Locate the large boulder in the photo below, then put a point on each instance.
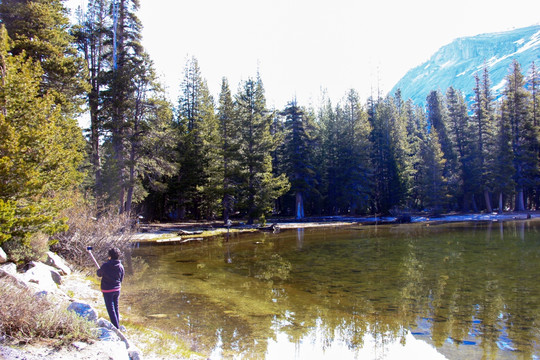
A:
(9, 271)
(83, 310)
(3, 256)
(9, 268)
(58, 263)
(42, 277)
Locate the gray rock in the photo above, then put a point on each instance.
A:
(58, 263)
(3, 256)
(83, 310)
(107, 335)
(104, 323)
(79, 345)
(9, 271)
(46, 277)
(134, 353)
(9, 268)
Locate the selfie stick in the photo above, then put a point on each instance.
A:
(89, 249)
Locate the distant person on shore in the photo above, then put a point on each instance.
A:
(112, 274)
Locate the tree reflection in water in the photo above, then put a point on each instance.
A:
(470, 290)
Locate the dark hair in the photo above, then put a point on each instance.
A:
(114, 253)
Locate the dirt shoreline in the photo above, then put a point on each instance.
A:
(198, 230)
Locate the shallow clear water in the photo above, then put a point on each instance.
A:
(460, 291)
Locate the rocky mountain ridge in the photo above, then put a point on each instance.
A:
(456, 64)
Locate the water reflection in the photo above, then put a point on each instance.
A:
(469, 290)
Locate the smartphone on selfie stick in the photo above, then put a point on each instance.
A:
(89, 249)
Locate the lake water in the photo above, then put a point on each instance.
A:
(415, 291)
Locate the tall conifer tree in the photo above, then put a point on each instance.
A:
(228, 128)
(197, 187)
(91, 36)
(438, 119)
(355, 154)
(126, 57)
(483, 132)
(433, 188)
(502, 179)
(40, 151)
(40, 29)
(298, 147)
(259, 187)
(516, 111)
(459, 133)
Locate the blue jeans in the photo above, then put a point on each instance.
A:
(111, 302)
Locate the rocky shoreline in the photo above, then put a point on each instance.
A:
(55, 279)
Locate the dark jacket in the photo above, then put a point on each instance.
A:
(112, 274)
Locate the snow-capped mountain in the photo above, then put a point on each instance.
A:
(456, 63)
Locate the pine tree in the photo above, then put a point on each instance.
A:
(40, 29)
(329, 156)
(229, 148)
(516, 112)
(259, 187)
(483, 130)
(91, 36)
(40, 151)
(212, 188)
(125, 59)
(388, 182)
(355, 154)
(416, 133)
(298, 155)
(533, 86)
(199, 177)
(502, 180)
(459, 133)
(438, 119)
(150, 140)
(432, 181)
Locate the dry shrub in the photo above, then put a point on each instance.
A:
(25, 317)
(103, 231)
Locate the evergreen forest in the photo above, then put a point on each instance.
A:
(231, 156)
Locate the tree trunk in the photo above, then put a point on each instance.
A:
(487, 199)
(226, 207)
(131, 182)
(475, 207)
(299, 205)
(520, 204)
(501, 204)
(95, 145)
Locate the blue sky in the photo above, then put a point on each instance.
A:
(304, 46)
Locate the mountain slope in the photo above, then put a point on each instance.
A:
(456, 63)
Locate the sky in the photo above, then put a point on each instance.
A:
(302, 48)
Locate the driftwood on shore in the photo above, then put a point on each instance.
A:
(272, 228)
(186, 232)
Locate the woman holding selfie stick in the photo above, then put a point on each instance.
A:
(112, 274)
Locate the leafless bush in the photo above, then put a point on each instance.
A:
(102, 232)
(26, 317)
